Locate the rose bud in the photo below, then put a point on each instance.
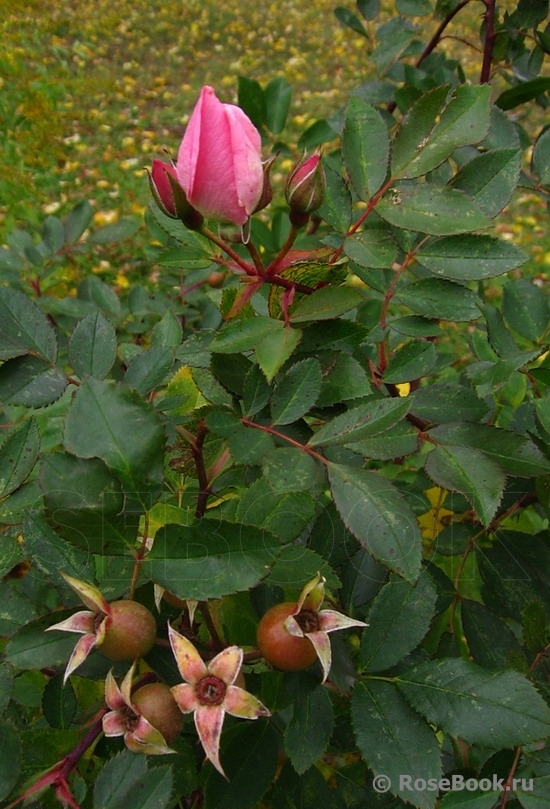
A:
(219, 163)
(305, 188)
(170, 196)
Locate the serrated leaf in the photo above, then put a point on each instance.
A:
(441, 299)
(76, 222)
(11, 758)
(378, 516)
(277, 95)
(274, 350)
(525, 308)
(18, 455)
(325, 304)
(285, 515)
(126, 780)
(210, 559)
(92, 347)
(31, 382)
(490, 179)
(256, 391)
(243, 335)
(308, 733)
(523, 92)
(16, 609)
(289, 469)
(115, 231)
(150, 369)
(167, 333)
(23, 327)
(491, 642)
(540, 161)
(412, 361)
(436, 210)
(373, 248)
(344, 378)
(472, 473)
(59, 704)
(97, 426)
(394, 739)
(336, 206)
(437, 125)
(96, 291)
(249, 757)
(492, 709)
(399, 618)
(31, 647)
(365, 147)
(364, 420)
(296, 392)
(470, 257)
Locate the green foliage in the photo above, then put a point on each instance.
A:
(353, 396)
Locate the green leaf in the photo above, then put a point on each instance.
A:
(31, 382)
(429, 133)
(59, 703)
(167, 333)
(472, 473)
(470, 258)
(210, 559)
(11, 758)
(285, 515)
(149, 370)
(379, 517)
(31, 647)
(115, 231)
(53, 234)
(412, 361)
(244, 334)
(344, 378)
(296, 392)
(23, 327)
(490, 179)
(289, 469)
(17, 609)
(516, 454)
(297, 565)
(92, 347)
(308, 733)
(256, 391)
(49, 552)
(525, 308)
(336, 206)
(6, 685)
(399, 618)
(431, 209)
(97, 426)
(522, 93)
(447, 401)
(536, 794)
(86, 503)
(540, 161)
(18, 455)
(350, 20)
(365, 147)
(325, 304)
(394, 740)
(126, 780)
(367, 419)
(491, 642)
(277, 95)
(249, 757)
(441, 299)
(476, 705)
(273, 350)
(373, 248)
(77, 221)
(251, 99)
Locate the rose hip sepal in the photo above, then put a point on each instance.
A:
(309, 621)
(123, 629)
(209, 692)
(125, 719)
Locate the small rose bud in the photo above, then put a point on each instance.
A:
(305, 186)
(267, 192)
(170, 196)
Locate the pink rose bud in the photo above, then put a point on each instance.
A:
(219, 163)
(170, 196)
(305, 186)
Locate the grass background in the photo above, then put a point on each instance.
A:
(91, 92)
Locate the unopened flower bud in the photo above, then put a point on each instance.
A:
(170, 196)
(305, 186)
(267, 192)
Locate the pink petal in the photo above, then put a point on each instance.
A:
(190, 664)
(114, 724)
(80, 652)
(219, 160)
(146, 748)
(126, 686)
(330, 620)
(239, 702)
(113, 695)
(321, 643)
(82, 622)
(88, 594)
(293, 627)
(185, 697)
(225, 666)
(209, 721)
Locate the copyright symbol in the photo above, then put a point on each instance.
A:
(381, 783)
